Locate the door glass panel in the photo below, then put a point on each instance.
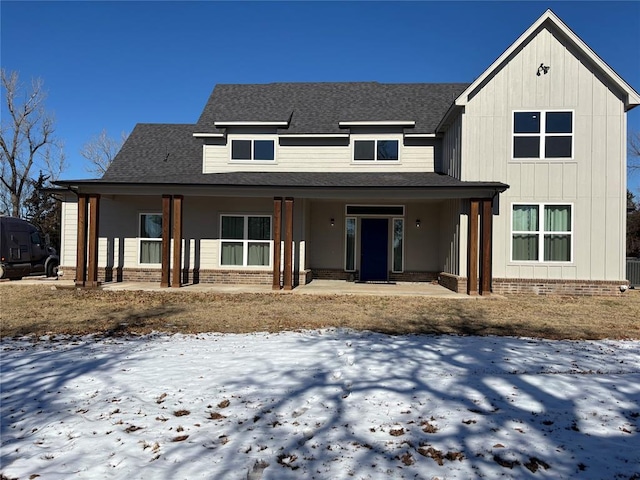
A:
(398, 240)
(350, 260)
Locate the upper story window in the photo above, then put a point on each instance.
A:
(543, 134)
(541, 233)
(253, 150)
(375, 150)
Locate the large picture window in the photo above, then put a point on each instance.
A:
(541, 233)
(375, 150)
(245, 240)
(252, 150)
(542, 134)
(150, 237)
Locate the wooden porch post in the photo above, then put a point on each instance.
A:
(486, 229)
(472, 248)
(81, 243)
(277, 238)
(288, 244)
(177, 240)
(166, 238)
(94, 219)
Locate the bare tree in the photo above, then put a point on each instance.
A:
(26, 141)
(100, 151)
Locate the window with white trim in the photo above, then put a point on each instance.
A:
(245, 240)
(375, 150)
(150, 238)
(253, 150)
(541, 233)
(542, 134)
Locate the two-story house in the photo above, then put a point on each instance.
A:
(513, 183)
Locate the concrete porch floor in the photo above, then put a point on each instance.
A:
(316, 287)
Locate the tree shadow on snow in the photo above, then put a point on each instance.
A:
(372, 405)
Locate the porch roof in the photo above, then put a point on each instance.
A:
(301, 184)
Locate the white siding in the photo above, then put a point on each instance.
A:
(321, 155)
(593, 181)
(452, 149)
(69, 233)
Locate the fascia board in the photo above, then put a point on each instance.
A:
(208, 135)
(380, 123)
(251, 124)
(314, 135)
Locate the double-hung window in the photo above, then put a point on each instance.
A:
(253, 150)
(543, 135)
(375, 150)
(245, 240)
(541, 233)
(150, 238)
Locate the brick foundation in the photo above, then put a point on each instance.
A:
(337, 274)
(453, 282)
(531, 286)
(333, 274)
(517, 286)
(413, 277)
(233, 277)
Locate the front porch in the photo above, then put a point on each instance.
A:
(288, 237)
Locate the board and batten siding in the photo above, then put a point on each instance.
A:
(452, 149)
(319, 155)
(593, 181)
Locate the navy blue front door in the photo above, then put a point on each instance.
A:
(374, 233)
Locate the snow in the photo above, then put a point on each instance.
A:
(329, 404)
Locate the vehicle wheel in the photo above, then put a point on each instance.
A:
(15, 278)
(52, 269)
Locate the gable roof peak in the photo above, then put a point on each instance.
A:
(550, 19)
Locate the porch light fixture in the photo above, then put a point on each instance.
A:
(417, 223)
(543, 69)
(332, 222)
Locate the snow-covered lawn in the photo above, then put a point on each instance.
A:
(322, 404)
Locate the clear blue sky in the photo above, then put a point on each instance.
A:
(109, 65)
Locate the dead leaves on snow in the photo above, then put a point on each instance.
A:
(438, 456)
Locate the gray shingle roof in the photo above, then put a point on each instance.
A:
(159, 151)
(319, 107)
(168, 154)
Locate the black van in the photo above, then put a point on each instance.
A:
(24, 250)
